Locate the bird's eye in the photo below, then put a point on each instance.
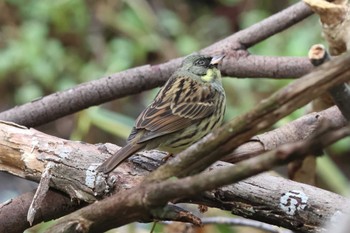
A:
(202, 62)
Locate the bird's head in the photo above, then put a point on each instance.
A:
(206, 67)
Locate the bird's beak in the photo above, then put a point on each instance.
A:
(216, 59)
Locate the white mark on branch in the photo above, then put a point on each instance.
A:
(64, 151)
(90, 176)
(59, 148)
(34, 143)
(47, 147)
(293, 201)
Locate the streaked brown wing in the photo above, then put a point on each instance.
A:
(180, 103)
(197, 110)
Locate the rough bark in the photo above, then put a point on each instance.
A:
(142, 201)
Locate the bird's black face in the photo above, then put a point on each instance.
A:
(203, 66)
(203, 62)
(197, 64)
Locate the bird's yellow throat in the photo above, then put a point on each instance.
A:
(210, 75)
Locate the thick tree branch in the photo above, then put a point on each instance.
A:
(273, 209)
(292, 132)
(139, 200)
(142, 78)
(126, 176)
(24, 152)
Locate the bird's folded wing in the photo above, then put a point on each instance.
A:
(176, 107)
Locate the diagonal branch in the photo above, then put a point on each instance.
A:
(294, 131)
(262, 30)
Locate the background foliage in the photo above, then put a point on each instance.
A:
(48, 46)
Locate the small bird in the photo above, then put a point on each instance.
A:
(189, 106)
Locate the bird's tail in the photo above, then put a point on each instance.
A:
(118, 157)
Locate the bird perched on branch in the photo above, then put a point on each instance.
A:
(189, 106)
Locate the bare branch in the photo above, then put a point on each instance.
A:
(126, 176)
(254, 66)
(262, 30)
(294, 131)
(13, 213)
(26, 152)
(143, 78)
